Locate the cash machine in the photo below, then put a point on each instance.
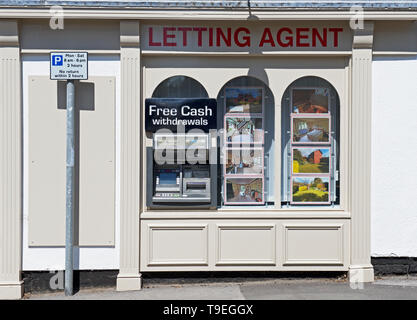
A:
(181, 160)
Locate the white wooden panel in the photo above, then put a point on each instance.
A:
(94, 174)
(46, 164)
(313, 244)
(178, 244)
(245, 244)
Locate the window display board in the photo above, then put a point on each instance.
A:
(310, 129)
(310, 146)
(244, 180)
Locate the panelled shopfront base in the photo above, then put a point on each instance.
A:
(245, 244)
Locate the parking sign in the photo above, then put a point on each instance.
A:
(57, 60)
(68, 65)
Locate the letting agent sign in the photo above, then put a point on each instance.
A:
(255, 38)
(169, 113)
(68, 65)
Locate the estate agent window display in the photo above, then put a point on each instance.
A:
(243, 146)
(310, 171)
(309, 133)
(246, 144)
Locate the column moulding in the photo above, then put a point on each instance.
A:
(129, 277)
(11, 284)
(361, 269)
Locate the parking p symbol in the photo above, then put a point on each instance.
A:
(57, 60)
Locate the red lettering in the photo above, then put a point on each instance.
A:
(289, 39)
(184, 34)
(299, 37)
(335, 35)
(241, 37)
(200, 35)
(267, 38)
(151, 42)
(167, 36)
(322, 39)
(227, 39)
(246, 38)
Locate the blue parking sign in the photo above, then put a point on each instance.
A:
(57, 60)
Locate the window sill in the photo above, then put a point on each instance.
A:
(291, 213)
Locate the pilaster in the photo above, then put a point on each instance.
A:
(129, 277)
(361, 269)
(11, 285)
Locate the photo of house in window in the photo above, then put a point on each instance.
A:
(243, 100)
(244, 190)
(244, 130)
(310, 160)
(244, 161)
(310, 129)
(310, 190)
(314, 100)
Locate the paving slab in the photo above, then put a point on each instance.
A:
(397, 288)
(171, 292)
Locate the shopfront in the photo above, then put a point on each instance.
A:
(203, 144)
(281, 91)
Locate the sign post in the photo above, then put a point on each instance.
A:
(69, 66)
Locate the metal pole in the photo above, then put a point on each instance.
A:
(69, 218)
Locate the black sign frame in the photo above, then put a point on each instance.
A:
(192, 113)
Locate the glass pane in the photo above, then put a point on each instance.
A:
(248, 109)
(310, 143)
(180, 87)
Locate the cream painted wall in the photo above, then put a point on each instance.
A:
(394, 157)
(49, 258)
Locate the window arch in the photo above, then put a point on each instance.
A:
(180, 87)
(310, 143)
(247, 143)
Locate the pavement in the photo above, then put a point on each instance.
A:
(389, 287)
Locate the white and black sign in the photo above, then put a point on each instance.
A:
(170, 113)
(69, 65)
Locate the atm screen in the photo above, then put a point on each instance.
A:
(168, 178)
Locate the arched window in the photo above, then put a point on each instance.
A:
(247, 143)
(310, 118)
(180, 87)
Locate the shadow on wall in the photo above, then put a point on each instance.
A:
(259, 73)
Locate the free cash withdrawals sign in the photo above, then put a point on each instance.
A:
(68, 65)
(169, 113)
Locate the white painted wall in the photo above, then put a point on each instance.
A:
(394, 157)
(49, 258)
